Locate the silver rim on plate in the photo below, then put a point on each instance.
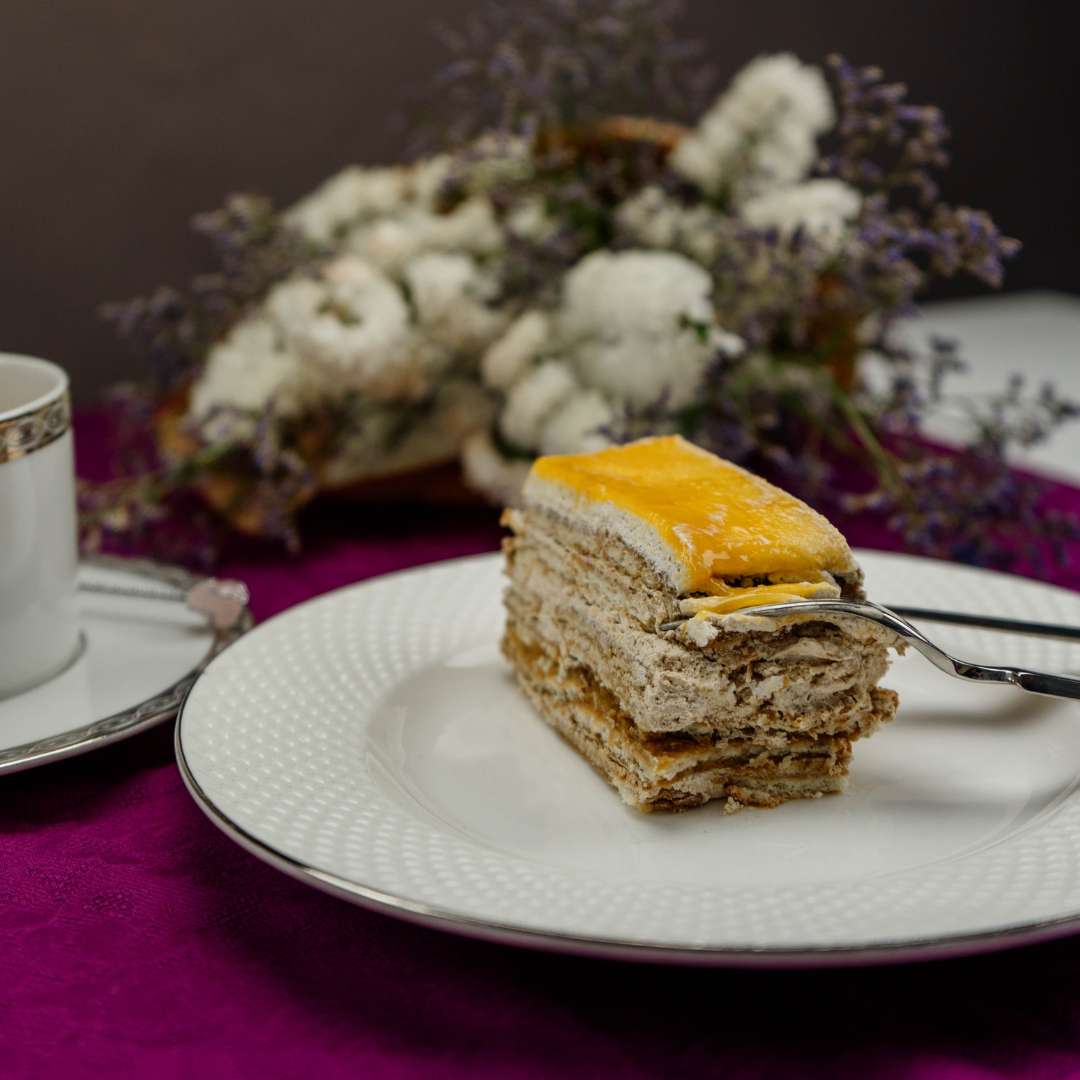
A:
(448, 915)
(913, 951)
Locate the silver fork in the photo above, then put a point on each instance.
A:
(1035, 682)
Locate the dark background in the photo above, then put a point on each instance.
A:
(120, 118)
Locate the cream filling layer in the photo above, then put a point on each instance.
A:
(781, 589)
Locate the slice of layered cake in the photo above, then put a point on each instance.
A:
(613, 548)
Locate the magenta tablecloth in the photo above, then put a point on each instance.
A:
(136, 940)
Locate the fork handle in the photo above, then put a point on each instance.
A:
(1035, 682)
(1056, 685)
(988, 622)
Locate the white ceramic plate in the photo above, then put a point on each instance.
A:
(139, 659)
(371, 742)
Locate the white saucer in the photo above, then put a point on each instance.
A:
(139, 660)
(372, 743)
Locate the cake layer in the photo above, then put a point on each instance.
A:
(600, 613)
(692, 516)
(810, 678)
(630, 570)
(618, 576)
(678, 771)
(602, 567)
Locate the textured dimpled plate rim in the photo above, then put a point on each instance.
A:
(275, 744)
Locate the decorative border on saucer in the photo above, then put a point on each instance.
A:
(32, 431)
(146, 714)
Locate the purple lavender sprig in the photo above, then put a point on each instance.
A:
(175, 330)
(521, 67)
(971, 507)
(150, 503)
(887, 149)
(876, 123)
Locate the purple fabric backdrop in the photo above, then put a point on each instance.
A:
(136, 940)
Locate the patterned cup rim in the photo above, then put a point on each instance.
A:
(42, 401)
(39, 422)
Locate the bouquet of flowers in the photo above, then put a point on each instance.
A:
(585, 254)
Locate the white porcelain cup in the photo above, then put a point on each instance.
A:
(39, 618)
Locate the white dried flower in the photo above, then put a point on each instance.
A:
(353, 323)
(507, 359)
(228, 427)
(426, 178)
(652, 218)
(470, 227)
(532, 400)
(252, 369)
(389, 243)
(825, 209)
(762, 130)
(354, 194)
(450, 295)
(639, 324)
(530, 220)
(575, 426)
(498, 478)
